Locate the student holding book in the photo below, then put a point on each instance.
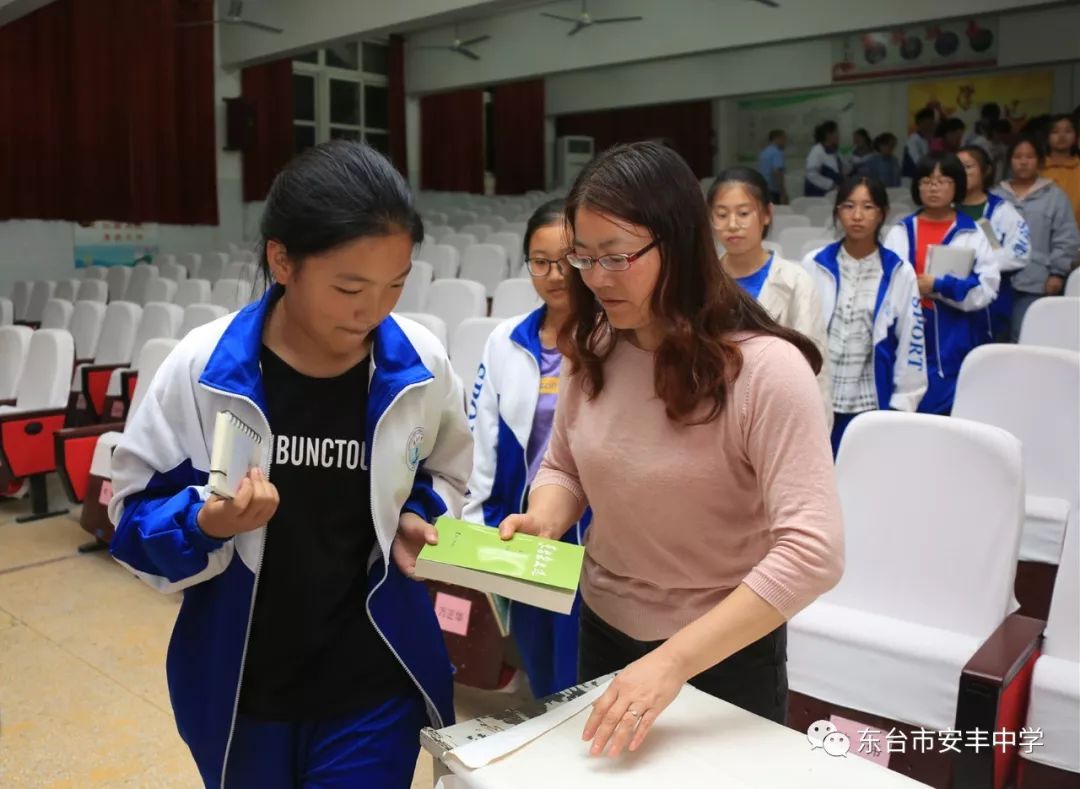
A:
(957, 272)
(692, 425)
(741, 212)
(303, 653)
(877, 344)
(1011, 237)
(511, 411)
(1055, 238)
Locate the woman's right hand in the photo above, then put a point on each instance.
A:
(255, 503)
(526, 524)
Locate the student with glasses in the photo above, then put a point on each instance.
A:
(741, 213)
(876, 338)
(690, 422)
(511, 409)
(953, 307)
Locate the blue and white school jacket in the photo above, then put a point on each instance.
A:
(501, 409)
(418, 448)
(1011, 231)
(898, 334)
(823, 171)
(959, 318)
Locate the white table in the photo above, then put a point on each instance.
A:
(697, 741)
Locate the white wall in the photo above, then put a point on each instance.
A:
(525, 44)
(35, 249)
(791, 65)
(800, 65)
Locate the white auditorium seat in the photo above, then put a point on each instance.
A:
(118, 278)
(454, 300)
(432, 323)
(93, 290)
(1052, 322)
(213, 267)
(785, 221)
(67, 289)
(467, 347)
(196, 315)
(86, 321)
(460, 242)
(514, 297)
(20, 298)
(800, 204)
(511, 243)
(173, 271)
(819, 215)
(481, 232)
(14, 346)
(445, 261)
(95, 272)
(417, 284)
(486, 264)
(192, 291)
(230, 293)
(1072, 284)
(7, 312)
(793, 239)
(161, 289)
(40, 293)
(57, 314)
(141, 277)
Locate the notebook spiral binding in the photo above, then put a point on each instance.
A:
(243, 427)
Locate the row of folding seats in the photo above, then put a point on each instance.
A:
(924, 621)
(28, 298)
(111, 342)
(212, 266)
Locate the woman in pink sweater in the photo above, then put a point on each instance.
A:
(693, 426)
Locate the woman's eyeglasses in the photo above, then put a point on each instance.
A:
(608, 262)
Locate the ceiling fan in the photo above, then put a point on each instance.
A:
(584, 20)
(234, 15)
(459, 46)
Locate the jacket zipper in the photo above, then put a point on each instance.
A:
(254, 589)
(525, 449)
(386, 569)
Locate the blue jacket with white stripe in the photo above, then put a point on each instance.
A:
(417, 446)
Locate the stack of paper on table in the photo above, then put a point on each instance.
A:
(697, 741)
(528, 569)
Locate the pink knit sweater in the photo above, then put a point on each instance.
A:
(683, 514)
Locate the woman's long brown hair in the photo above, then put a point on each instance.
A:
(649, 185)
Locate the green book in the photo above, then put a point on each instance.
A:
(528, 569)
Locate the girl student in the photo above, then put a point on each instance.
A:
(876, 342)
(951, 305)
(741, 213)
(823, 168)
(511, 412)
(1062, 162)
(1011, 234)
(691, 423)
(303, 653)
(1055, 238)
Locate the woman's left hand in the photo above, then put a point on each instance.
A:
(926, 285)
(626, 711)
(413, 534)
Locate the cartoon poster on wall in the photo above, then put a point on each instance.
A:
(917, 49)
(114, 243)
(1021, 96)
(797, 114)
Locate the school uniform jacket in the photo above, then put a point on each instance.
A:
(959, 320)
(419, 452)
(899, 340)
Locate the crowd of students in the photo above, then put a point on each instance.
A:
(1030, 244)
(668, 406)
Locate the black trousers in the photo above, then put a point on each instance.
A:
(754, 678)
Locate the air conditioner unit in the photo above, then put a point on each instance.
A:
(572, 153)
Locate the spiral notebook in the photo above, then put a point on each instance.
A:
(237, 449)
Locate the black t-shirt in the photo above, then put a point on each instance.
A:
(313, 653)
